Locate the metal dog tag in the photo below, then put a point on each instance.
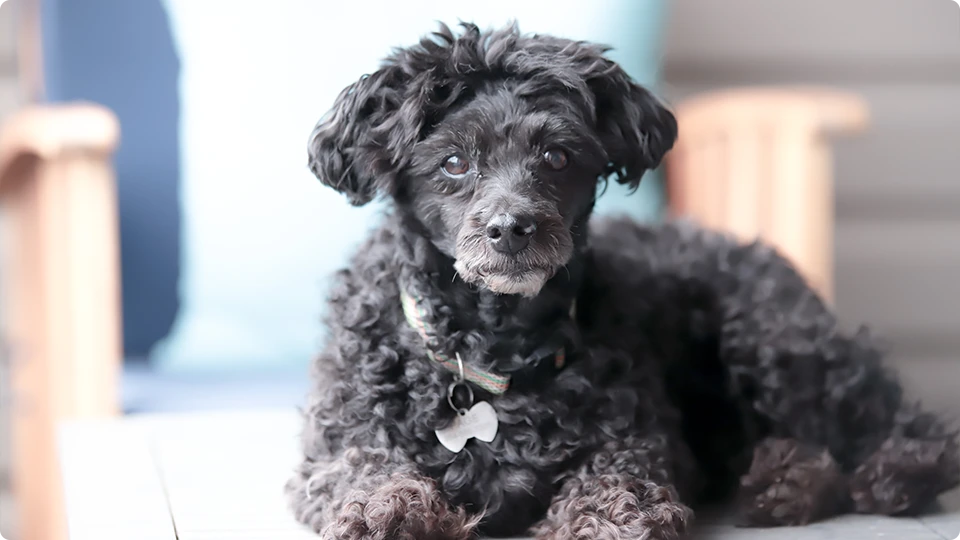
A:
(480, 422)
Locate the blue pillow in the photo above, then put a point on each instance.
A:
(261, 236)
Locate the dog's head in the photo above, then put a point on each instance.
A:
(495, 142)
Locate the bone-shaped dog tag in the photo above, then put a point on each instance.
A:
(480, 423)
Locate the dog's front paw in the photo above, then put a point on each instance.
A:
(789, 483)
(610, 508)
(403, 508)
(904, 476)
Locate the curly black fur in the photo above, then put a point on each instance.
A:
(686, 353)
(790, 483)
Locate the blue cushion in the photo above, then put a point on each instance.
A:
(260, 235)
(120, 54)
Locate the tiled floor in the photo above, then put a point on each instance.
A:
(220, 476)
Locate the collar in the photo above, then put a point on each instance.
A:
(494, 383)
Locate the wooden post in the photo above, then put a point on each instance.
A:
(60, 291)
(755, 163)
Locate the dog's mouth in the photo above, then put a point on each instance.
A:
(524, 273)
(526, 282)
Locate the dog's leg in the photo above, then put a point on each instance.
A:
(623, 491)
(917, 462)
(790, 483)
(808, 380)
(372, 494)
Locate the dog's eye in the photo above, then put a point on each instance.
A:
(456, 166)
(555, 158)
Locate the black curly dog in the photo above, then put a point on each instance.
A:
(693, 368)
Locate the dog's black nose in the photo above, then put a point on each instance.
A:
(510, 233)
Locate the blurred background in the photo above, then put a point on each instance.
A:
(180, 265)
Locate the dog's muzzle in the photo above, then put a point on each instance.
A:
(512, 253)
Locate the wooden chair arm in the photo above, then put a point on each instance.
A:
(61, 283)
(49, 131)
(755, 162)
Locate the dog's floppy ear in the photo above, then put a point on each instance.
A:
(358, 147)
(635, 128)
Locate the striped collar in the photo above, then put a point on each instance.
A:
(494, 383)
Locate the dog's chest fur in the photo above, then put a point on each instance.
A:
(545, 428)
(380, 388)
